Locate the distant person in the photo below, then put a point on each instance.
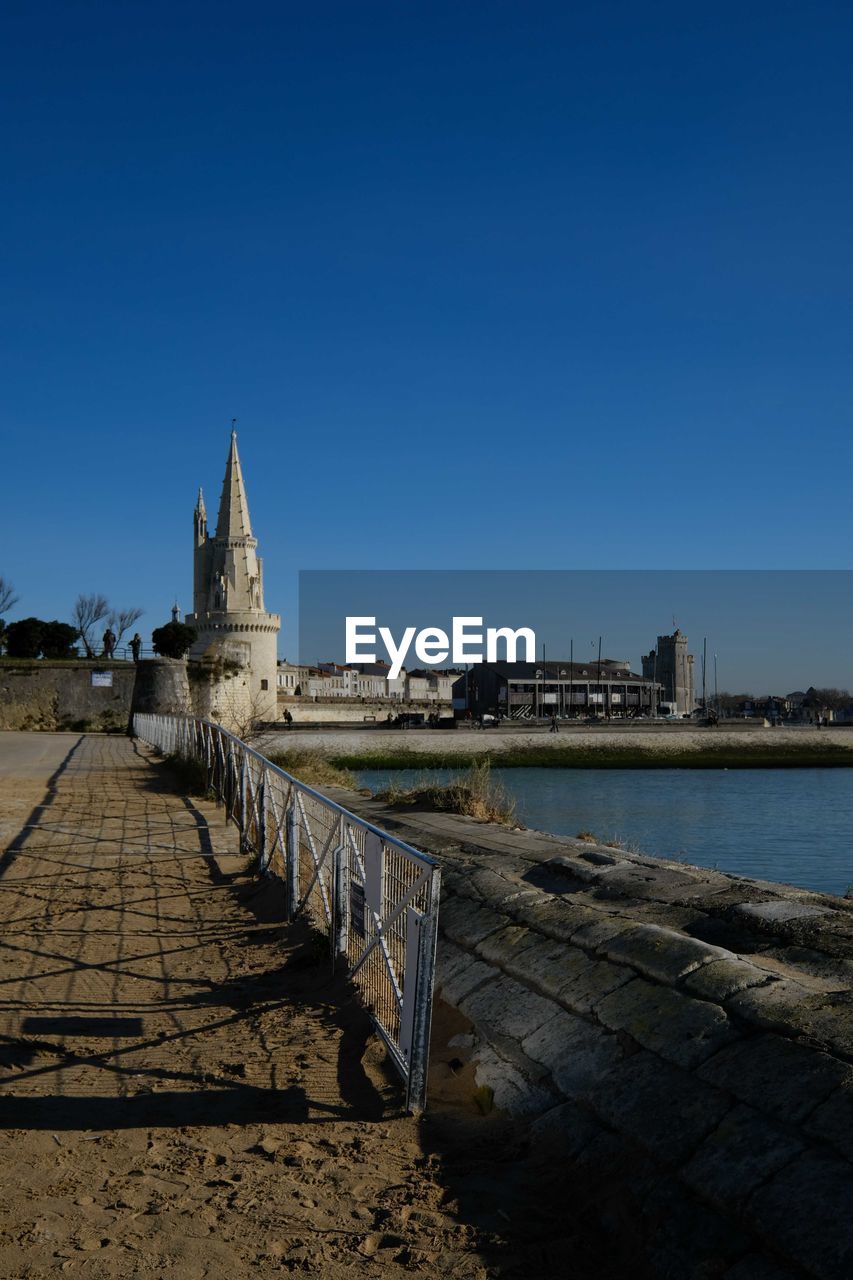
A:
(288, 718)
(555, 727)
(136, 646)
(109, 643)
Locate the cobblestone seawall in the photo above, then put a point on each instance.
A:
(681, 1038)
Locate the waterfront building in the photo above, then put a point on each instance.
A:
(428, 685)
(292, 678)
(530, 690)
(236, 636)
(671, 666)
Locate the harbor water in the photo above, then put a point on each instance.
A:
(792, 826)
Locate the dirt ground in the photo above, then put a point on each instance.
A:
(185, 1088)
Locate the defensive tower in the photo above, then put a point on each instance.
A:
(235, 632)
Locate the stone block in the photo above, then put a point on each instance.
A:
(494, 889)
(467, 923)
(743, 1151)
(449, 959)
(598, 858)
(780, 911)
(505, 1008)
(833, 1119)
(667, 1111)
(804, 1212)
(789, 1007)
(660, 953)
(548, 1044)
(551, 916)
(456, 882)
(514, 1092)
(682, 1030)
(686, 1239)
(565, 881)
(776, 1076)
(566, 1128)
(502, 948)
(596, 935)
(646, 880)
(723, 978)
(574, 1051)
(595, 1157)
(465, 979)
(583, 992)
(548, 966)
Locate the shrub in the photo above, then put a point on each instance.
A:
(474, 794)
(174, 640)
(23, 639)
(314, 769)
(58, 639)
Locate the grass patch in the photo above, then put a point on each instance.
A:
(474, 794)
(314, 769)
(713, 756)
(190, 776)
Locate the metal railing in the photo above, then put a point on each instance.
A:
(377, 896)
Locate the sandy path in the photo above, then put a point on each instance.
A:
(184, 1088)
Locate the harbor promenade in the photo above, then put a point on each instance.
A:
(184, 1086)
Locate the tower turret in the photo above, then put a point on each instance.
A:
(228, 598)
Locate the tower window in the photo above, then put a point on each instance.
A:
(265, 684)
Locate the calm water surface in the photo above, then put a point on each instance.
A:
(794, 826)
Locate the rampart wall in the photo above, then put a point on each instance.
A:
(63, 695)
(681, 1038)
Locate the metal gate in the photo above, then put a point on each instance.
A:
(377, 896)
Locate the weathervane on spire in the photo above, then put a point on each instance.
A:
(233, 427)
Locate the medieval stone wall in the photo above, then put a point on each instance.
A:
(60, 695)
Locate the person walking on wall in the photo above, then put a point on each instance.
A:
(109, 642)
(136, 646)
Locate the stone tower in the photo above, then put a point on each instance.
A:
(672, 667)
(236, 636)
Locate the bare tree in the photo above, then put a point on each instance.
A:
(121, 620)
(88, 611)
(829, 699)
(7, 596)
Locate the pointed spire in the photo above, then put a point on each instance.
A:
(200, 508)
(233, 519)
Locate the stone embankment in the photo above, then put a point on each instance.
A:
(663, 743)
(681, 1038)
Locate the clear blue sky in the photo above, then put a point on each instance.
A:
(486, 285)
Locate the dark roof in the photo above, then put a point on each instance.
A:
(553, 667)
